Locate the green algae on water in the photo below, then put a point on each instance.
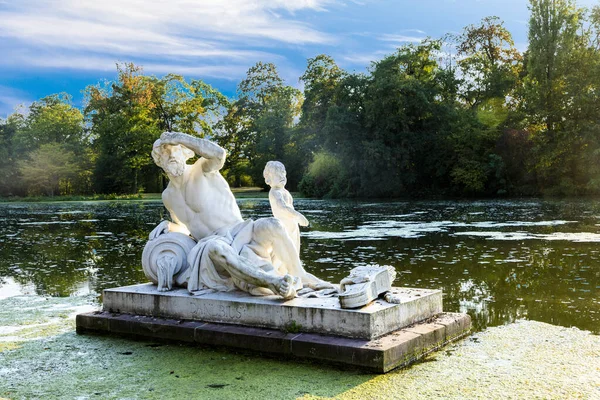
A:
(523, 360)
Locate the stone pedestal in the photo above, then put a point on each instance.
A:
(314, 315)
(380, 336)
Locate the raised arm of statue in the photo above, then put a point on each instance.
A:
(213, 155)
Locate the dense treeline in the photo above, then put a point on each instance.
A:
(468, 115)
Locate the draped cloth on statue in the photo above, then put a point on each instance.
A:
(202, 272)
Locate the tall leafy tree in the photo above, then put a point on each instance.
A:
(124, 126)
(321, 80)
(488, 60)
(49, 169)
(128, 115)
(555, 47)
(235, 134)
(260, 123)
(404, 121)
(490, 66)
(52, 119)
(553, 26)
(9, 181)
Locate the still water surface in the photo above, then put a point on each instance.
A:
(497, 260)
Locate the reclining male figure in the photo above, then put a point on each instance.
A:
(201, 204)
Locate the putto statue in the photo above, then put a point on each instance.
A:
(208, 245)
(282, 203)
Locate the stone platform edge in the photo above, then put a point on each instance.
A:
(397, 349)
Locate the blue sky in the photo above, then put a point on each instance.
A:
(49, 46)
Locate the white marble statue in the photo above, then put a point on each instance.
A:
(254, 256)
(282, 203)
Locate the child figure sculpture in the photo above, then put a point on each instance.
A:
(282, 203)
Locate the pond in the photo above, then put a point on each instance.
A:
(499, 261)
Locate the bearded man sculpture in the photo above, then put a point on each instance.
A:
(254, 256)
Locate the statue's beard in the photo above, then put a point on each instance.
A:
(175, 168)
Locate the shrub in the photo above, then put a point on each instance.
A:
(320, 177)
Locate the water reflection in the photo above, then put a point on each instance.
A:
(497, 260)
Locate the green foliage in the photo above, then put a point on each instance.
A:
(27, 143)
(124, 127)
(128, 115)
(234, 134)
(48, 169)
(492, 112)
(321, 83)
(562, 92)
(322, 175)
(53, 119)
(497, 122)
(553, 29)
(259, 126)
(488, 60)
(389, 129)
(401, 118)
(9, 184)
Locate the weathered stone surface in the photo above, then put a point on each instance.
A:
(393, 350)
(365, 284)
(257, 339)
(453, 324)
(314, 315)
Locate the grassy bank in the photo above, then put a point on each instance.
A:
(95, 197)
(240, 193)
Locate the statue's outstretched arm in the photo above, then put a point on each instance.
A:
(283, 207)
(213, 155)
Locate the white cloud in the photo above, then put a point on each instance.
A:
(176, 23)
(105, 63)
(419, 31)
(401, 38)
(364, 59)
(214, 71)
(392, 42)
(212, 37)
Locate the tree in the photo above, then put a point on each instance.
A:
(275, 131)
(260, 123)
(561, 94)
(343, 135)
(261, 81)
(406, 120)
(192, 107)
(124, 126)
(235, 134)
(553, 29)
(52, 119)
(46, 168)
(488, 60)
(9, 182)
(128, 115)
(321, 80)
